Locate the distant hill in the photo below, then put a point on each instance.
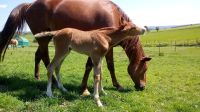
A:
(172, 33)
(170, 26)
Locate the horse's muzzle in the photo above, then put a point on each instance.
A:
(140, 87)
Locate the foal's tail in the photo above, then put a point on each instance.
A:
(14, 22)
(45, 34)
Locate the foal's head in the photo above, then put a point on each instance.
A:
(130, 29)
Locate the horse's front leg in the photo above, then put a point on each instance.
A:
(110, 66)
(88, 68)
(97, 80)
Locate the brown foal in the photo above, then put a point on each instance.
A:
(95, 44)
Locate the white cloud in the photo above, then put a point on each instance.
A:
(3, 6)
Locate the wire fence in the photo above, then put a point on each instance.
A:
(173, 45)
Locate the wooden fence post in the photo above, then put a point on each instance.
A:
(175, 46)
(159, 49)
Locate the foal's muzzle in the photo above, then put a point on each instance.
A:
(143, 31)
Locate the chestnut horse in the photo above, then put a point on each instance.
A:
(94, 43)
(48, 15)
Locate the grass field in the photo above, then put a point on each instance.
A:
(173, 81)
(183, 36)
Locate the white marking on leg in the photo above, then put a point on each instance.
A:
(49, 91)
(101, 90)
(57, 70)
(97, 79)
(49, 84)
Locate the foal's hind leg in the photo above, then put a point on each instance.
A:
(60, 53)
(50, 70)
(57, 71)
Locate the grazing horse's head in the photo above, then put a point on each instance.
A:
(138, 62)
(133, 48)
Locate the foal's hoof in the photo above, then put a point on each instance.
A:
(50, 95)
(86, 93)
(103, 93)
(64, 90)
(99, 104)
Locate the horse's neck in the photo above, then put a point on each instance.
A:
(133, 49)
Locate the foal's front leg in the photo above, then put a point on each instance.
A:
(97, 80)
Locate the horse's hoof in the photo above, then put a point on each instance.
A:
(37, 77)
(86, 93)
(120, 88)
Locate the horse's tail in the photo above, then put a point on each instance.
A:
(14, 22)
(45, 34)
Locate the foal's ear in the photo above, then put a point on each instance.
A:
(145, 58)
(127, 26)
(108, 30)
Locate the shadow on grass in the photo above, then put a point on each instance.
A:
(31, 90)
(125, 90)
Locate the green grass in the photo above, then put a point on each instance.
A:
(172, 86)
(173, 79)
(189, 35)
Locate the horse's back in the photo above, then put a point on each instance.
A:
(80, 14)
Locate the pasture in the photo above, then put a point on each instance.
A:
(173, 82)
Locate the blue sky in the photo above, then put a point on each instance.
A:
(142, 12)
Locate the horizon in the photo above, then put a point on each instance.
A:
(141, 12)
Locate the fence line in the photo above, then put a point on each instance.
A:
(175, 44)
(183, 43)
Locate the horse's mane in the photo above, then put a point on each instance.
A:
(133, 45)
(123, 14)
(133, 49)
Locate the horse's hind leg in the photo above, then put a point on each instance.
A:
(37, 64)
(42, 53)
(110, 66)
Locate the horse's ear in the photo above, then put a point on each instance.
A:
(145, 58)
